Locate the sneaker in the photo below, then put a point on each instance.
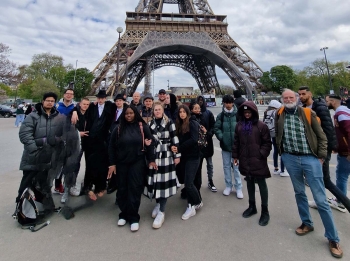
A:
(65, 197)
(75, 191)
(59, 190)
(284, 174)
(276, 172)
(121, 222)
(227, 191)
(199, 206)
(333, 203)
(134, 227)
(212, 186)
(335, 249)
(239, 194)
(159, 220)
(312, 204)
(190, 212)
(155, 211)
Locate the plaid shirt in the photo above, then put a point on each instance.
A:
(294, 138)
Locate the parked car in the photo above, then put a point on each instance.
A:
(7, 112)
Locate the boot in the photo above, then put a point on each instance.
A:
(265, 217)
(251, 210)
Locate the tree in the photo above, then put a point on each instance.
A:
(83, 80)
(41, 85)
(279, 77)
(7, 68)
(226, 89)
(7, 90)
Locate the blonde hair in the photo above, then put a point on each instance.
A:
(157, 103)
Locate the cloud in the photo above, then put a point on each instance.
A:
(271, 32)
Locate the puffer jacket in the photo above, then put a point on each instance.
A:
(40, 133)
(224, 128)
(252, 148)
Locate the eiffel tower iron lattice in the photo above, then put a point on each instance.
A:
(195, 40)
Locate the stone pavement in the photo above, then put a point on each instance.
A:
(218, 230)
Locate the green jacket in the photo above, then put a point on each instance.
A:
(225, 129)
(315, 136)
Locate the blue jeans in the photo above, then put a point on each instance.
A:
(227, 164)
(275, 155)
(19, 119)
(342, 173)
(310, 166)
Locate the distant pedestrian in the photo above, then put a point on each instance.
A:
(237, 94)
(19, 114)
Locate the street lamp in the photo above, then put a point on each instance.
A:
(119, 30)
(329, 76)
(168, 84)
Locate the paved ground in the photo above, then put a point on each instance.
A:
(218, 231)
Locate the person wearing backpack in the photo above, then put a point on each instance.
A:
(224, 129)
(269, 120)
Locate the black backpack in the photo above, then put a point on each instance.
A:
(30, 210)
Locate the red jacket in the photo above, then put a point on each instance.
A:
(342, 130)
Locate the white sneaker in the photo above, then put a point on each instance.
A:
(65, 196)
(276, 172)
(239, 194)
(284, 174)
(134, 227)
(155, 210)
(75, 191)
(227, 191)
(333, 203)
(312, 204)
(159, 220)
(121, 222)
(199, 206)
(190, 212)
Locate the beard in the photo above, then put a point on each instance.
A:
(290, 105)
(330, 107)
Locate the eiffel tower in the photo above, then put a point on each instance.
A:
(195, 40)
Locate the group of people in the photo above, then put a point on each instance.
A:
(148, 148)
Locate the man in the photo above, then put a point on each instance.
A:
(238, 98)
(342, 131)
(40, 133)
(119, 103)
(146, 113)
(208, 121)
(162, 96)
(225, 131)
(319, 106)
(136, 101)
(303, 146)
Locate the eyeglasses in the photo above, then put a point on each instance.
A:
(51, 101)
(69, 93)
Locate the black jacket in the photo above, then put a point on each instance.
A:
(188, 142)
(320, 107)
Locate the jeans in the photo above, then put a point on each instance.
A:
(309, 166)
(191, 168)
(210, 167)
(342, 173)
(19, 119)
(275, 155)
(227, 164)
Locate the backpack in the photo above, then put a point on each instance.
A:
(269, 120)
(307, 112)
(30, 210)
(202, 138)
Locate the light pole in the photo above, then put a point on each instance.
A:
(329, 76)
(75, 73)
(168, 84)
(119, 30)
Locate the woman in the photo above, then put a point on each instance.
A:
(252, 146)
(127, 152)
(187, 129)
(161, 183)
(170, 107)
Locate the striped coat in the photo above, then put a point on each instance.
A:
(161, 183)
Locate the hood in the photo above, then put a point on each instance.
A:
(275, 104)
(250, 105)
(204, 106)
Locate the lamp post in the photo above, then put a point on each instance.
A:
(168, 84)
(119, 30)
(75, 73)
(329, 76)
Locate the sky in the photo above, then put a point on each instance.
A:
(271, 32)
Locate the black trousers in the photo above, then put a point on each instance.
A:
(198, 178)
(262, 187)
(193, 195)
(131, 183)
(331, 186)
(27, 181)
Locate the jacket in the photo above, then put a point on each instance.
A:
(252, 147)
(315, 136)
(39, 134)
(342, 129)
(224, 128)
(63, 109)
(188, 142)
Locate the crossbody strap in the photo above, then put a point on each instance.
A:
(143, 136)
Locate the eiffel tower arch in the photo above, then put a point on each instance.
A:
(195, 40)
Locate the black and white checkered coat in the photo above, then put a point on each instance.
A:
(161, 183)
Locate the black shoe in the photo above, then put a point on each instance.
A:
(250, 211)
(264, 218)
(212, 186)
(111, 190)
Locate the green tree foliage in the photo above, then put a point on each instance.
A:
(83, 80)
(279, 77)
(7, 90)
(34, 89)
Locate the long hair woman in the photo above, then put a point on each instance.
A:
(127, 153)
